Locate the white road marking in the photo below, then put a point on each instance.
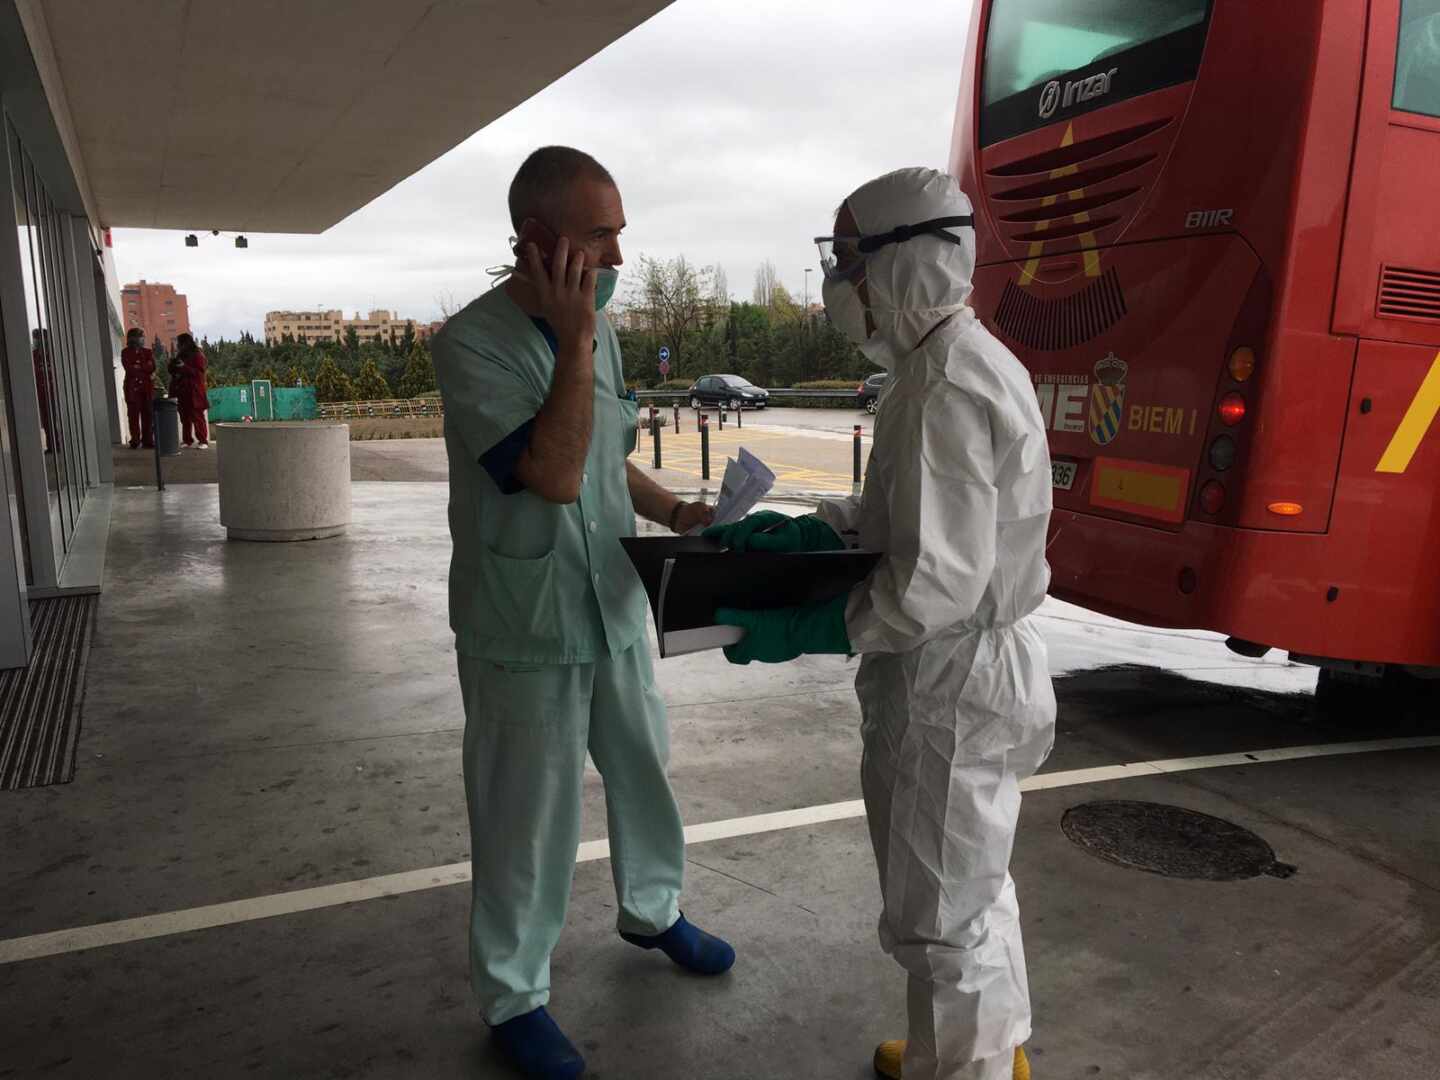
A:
(145, 927)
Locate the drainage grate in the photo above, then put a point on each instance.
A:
(40, 704)
(1171, 840)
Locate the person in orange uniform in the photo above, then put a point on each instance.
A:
(139, 365)
(187, 387)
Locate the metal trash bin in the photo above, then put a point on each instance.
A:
(167, 426)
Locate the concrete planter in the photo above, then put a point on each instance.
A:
(282, 482)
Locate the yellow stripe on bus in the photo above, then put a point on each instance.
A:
(1037, 247)
(1416, 423)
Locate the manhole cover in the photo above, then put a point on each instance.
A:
(1171, 840)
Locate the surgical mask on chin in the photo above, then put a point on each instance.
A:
(606, 278)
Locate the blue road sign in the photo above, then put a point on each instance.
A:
(664, 353)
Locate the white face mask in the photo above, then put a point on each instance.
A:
(848, 312)
(842, 304)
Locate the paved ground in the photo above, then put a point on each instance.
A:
(811, 450)
(265, 719)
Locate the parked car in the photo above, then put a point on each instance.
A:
(867, 394)
(729, 390)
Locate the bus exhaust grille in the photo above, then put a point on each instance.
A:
(1052, 325)
(1409, 294)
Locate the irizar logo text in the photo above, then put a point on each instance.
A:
(1058, 96)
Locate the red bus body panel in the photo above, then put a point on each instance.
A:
(1276, 203)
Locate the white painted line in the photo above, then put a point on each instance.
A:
(146, 927)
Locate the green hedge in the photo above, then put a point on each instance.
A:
(828, 384)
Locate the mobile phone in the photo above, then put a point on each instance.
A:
(542, 238)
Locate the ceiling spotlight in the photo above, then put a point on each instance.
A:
(192, 240)
(241, 242)
(214, 232)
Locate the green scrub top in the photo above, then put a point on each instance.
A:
(533, 581)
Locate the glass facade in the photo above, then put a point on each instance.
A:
(51, 271)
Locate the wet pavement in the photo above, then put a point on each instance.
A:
(265, 719)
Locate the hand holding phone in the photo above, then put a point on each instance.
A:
(564, 287)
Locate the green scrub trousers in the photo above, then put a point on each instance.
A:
(527, 728)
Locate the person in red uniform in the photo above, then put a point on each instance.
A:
(139, 365)
(187, 387)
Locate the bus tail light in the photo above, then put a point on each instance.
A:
(1286, 509)
(1212, 497)
(1242, 363)
(1232, 409)
(1222, 453)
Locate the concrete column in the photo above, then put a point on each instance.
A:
(96, 363)
(78, 261)
(284, 481)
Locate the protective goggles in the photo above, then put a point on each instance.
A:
(841, 256)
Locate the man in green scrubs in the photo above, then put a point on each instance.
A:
(549, 616)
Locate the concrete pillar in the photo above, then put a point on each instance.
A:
(284, 481)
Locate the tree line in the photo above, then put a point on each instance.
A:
(345, 370)
(772, 340)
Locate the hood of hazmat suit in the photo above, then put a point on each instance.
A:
(914, 284)
(954, 685)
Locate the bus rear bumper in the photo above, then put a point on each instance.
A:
(1313, 594)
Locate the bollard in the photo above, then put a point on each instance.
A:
(857, 454)
(677, 418)
(720, 412)
(740, 414)
(655, 433)
(704, 447)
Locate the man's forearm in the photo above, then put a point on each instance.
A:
(554, 463)
(651, 501)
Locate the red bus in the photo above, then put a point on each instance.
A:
(1211, 231)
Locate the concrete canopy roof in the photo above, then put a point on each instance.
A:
(288, 115)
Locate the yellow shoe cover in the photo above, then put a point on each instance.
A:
(889, 1055)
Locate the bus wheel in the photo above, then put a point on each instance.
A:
(1343, 697)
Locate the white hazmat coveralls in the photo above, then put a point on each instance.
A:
(954, 688)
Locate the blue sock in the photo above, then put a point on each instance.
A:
(534, 1044)
(688, 946)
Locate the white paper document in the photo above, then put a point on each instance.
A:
(746, 482)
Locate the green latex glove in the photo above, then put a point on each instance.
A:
(776, 635)
(806, 533)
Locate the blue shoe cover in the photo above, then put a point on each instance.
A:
(690, 947)
(535, 1045)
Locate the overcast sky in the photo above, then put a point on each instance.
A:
(733, 128)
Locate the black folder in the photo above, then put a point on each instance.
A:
(688, 577)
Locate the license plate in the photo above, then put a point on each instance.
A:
(1062, 474)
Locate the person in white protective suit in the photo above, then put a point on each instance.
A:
(954, 689)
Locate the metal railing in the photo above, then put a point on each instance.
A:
(409, 407)
(775, 396)
(400, 407)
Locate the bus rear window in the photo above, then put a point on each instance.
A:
(1050, 60)
(1417, 60)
